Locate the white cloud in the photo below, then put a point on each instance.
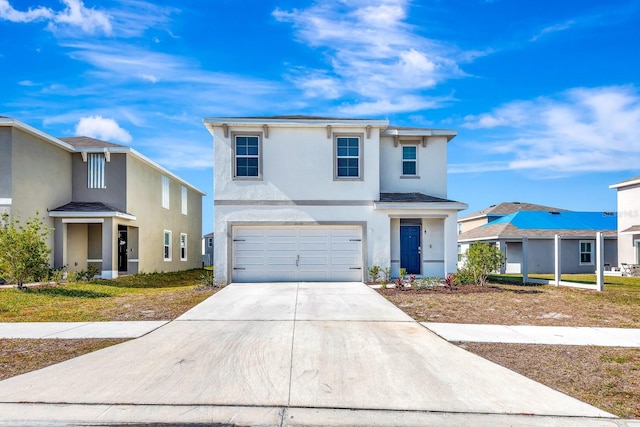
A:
(371, 52)
(77, 15)
(553, 29)
(102, 128)
(8, 13)
(582, 129)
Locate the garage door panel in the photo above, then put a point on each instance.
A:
(297, 253)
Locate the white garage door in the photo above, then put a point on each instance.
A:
(301, 253)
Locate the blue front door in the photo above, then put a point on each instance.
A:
(410, 248)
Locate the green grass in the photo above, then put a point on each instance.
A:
(102, 299)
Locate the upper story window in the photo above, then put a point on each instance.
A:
(348, 158)
(165, 192)
(586, 252)
(95, 170)
(409, 160)
(184, 200)
(247, 156)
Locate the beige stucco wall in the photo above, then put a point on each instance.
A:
(144, 200)
(36, 164)
(77, 246)
(467, 225)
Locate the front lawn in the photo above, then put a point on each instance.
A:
(154, 296)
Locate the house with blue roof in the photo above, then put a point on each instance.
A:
(529, 237)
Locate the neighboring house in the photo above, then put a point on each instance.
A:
(493, 212)
(628, 220)
(207, 249)
(109, 205)
(323, 199)
(531, 235)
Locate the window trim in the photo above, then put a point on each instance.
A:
(580, 252)
(414, 175)
(167, 246)
(234, 170)
(185, 199)
(166, 192)
(360, 137)
(96, 165)
(183, 249)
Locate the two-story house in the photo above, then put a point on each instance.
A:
(628, 193)
(323, 199)
(109, 205)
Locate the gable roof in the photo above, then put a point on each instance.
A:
(506, 208)
(545, 224)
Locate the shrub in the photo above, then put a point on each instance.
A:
(374, 272)
(480, 260)
(24, 254)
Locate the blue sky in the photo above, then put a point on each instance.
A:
(545, 95)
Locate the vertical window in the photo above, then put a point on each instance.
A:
(184, 200)
(348, 157)
(409, 160)
(183, 247)
(165, 192)
(586, 252)
(167, 245)
(95, 165)
(210, 242)
(247, 156)
(459, 252)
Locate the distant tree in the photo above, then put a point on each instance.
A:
(24, 253)
(481, 259)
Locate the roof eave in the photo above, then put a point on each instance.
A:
(458, 206)
(33, 131)
(625, 183)
(79, 214)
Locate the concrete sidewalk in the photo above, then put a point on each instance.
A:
(76, 330)
(289, 354)
(525, 334)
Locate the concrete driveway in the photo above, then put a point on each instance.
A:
(288, 354)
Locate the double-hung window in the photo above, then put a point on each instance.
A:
(586, 252)
(183, 247)
(167, 245)
(409, 160)
(247, 156)
(95, 170)
(348, 157)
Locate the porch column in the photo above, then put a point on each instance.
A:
(108, 272)
(525, 260)
(558, 259)
(599, 261)
(450, 244)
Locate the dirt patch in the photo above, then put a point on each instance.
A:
(608, 378)
(519, 305)
(18, 356)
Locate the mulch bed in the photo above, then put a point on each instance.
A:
(464, 289)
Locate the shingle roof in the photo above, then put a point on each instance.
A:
(545, 224)
(80, 142)
(88, 207)
(506, 208)
(632, 229)
(411, 198)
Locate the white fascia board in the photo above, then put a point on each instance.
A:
(92, 215)
(449, 133)
(625, 183)
(458, 206)
(33, 131)
(156, 166)
(241, 121)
